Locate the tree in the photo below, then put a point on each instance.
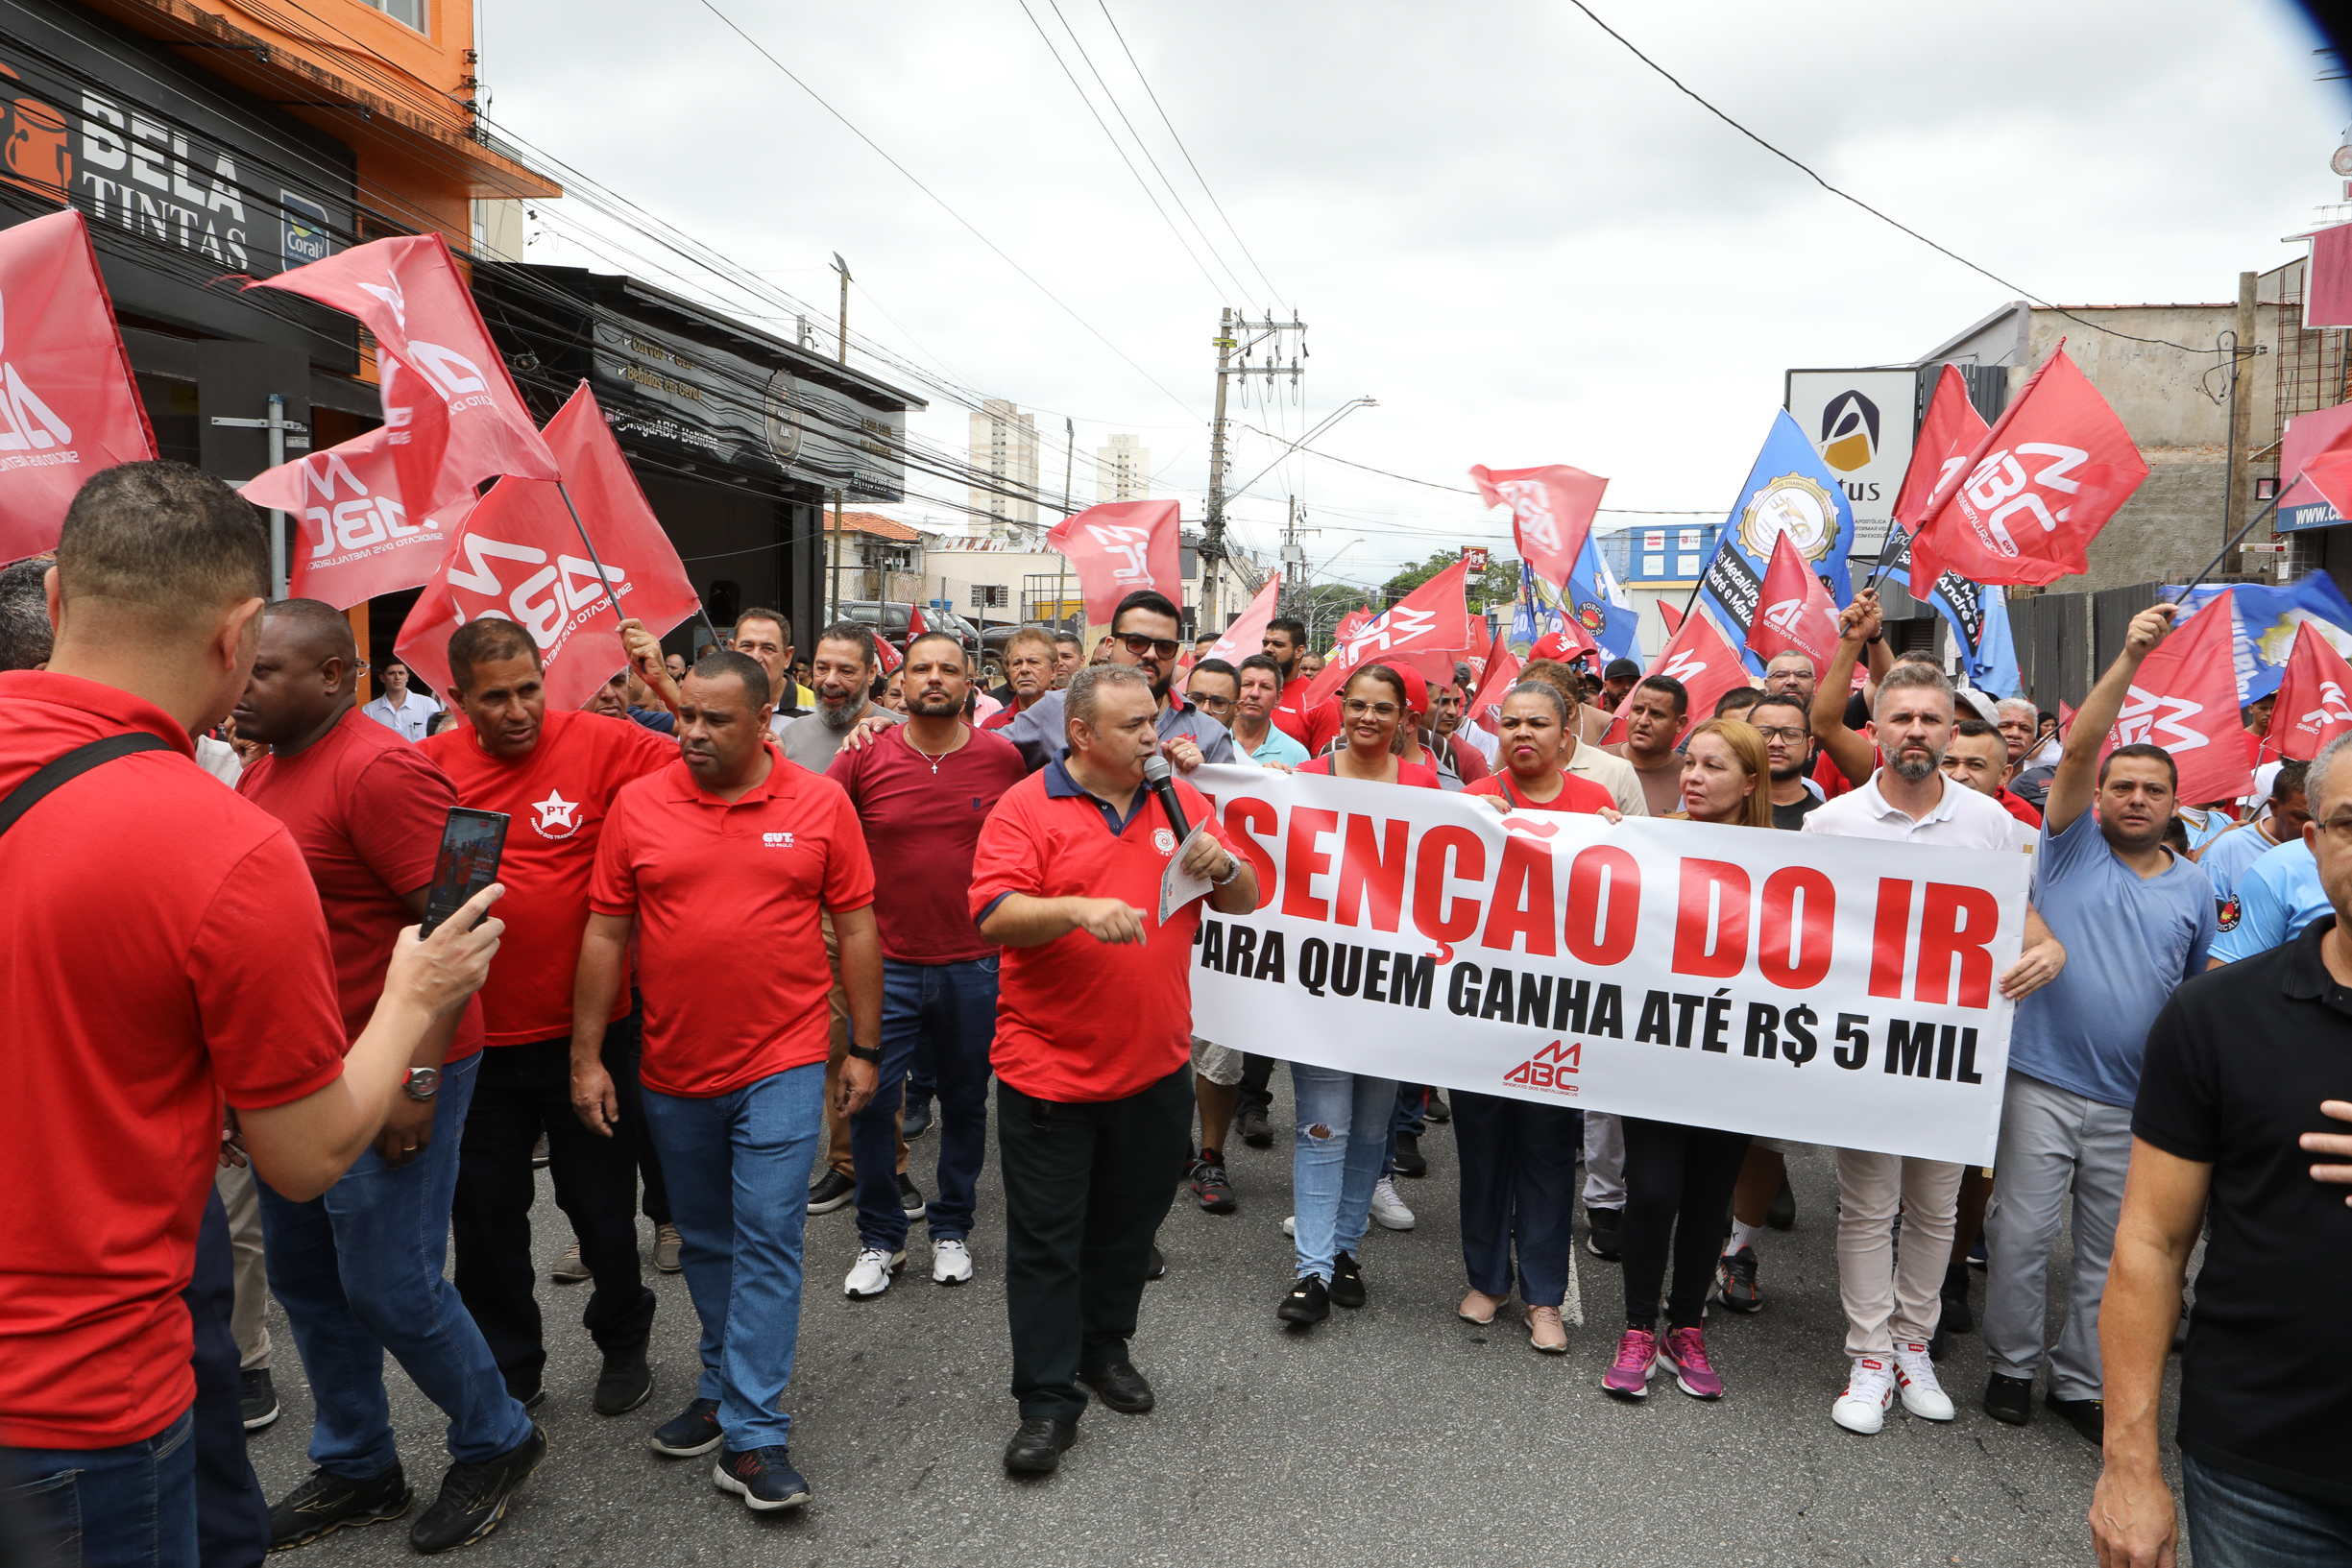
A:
(1497, 584)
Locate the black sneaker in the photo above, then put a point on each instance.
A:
(832, 1190)
(1736, 1280)
(1601, 1233)
(327, 1501)
(473, 1497)
(539, 1153)
(693, 1430)
(909, 1197)
(1408, 1161)
(1256, 1133)
(1155, 1266)
(2088, 1416)
(2010, 1399)
(1958, 1317)
(1308, 1303)
(1437, 1110)
(914, 1120)
(256, 1398)
(1210, 1187)
(625, 1383)
(1782, 1214)
(763, 1478)
(1347, 1289)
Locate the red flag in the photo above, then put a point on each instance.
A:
(1248, 633)
(1551, 512)
(1502, 674)
(2038, 488)
(1701, 660)
(885, 657)
(2065, 720)
(2185, 699)
(1795, 612)
(69, 405)
(2329, 471)
(358, 539)
(1431, 619)
(1951, 430)
(2327, 295)
(1350, 623)
(1120, 546)
(461, 421)
(1672, 617)
(916, 625)
(2312, 706)
(520, 557)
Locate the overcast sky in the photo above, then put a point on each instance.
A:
(1495, 221)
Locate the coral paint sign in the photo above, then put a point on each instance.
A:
(1830, 990)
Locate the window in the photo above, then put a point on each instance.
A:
(1653, 566)
(411, 11)
(987, 596)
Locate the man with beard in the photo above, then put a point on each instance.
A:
(1893, 1304)
(1788, 740)
(1657, 712)
(2136, 920)
(843, 670)
(765, 638)
(1029, 673)
(1069, 657)
(922, 791)
(1146, 633)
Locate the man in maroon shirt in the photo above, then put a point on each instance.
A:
(358, 1270)
(922, 790)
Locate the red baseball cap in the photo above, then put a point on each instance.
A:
(1417, 688)
(1555, 646)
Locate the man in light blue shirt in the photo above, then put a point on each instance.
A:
(2136, 921)
(2274, 900)
(400, 708)
(1145, 631)
(2232, 853)
(1259, 694)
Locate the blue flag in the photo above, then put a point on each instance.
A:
(2266, 620)
(1978, 616)
(1788, 490)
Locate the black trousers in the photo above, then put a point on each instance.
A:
(1257, 1072)
(632, 1096)
(522, 1091)
(1086, 1189)
(1678, 1186)
(233, 1518)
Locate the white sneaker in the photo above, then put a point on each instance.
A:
(1915, 1376)
(1388, 1209)
(1290, 1225)
(871, 1274)
(1870, 1389)
(951, 1261)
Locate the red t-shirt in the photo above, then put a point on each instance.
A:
(1320, 727)
(1468, 766)
(1076, 1020)
(558, 797)
(1577, 793)
(1419, 775)
(163, 947)
(1289, 715)
(726, 898)
(921, 827)
(2017, 807)
(367, 812)
(1832, 781)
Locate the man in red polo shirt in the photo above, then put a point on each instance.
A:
(164, 948)
(1093, 1031)
(922, 790)
(358, 1272)
(1284, 641)
(554, 774)
(718, 865)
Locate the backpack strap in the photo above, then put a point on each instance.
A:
(71, 766)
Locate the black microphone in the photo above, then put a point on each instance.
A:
(1163, 784)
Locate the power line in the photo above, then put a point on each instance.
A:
(1457, 490)
(1844, 196)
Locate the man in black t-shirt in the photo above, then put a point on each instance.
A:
(2245, 1078)
(1786, 727)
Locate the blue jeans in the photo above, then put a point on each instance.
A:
(1343, 1141)
(1518, 1185)
(951, 1008)
(359, 1273)
(131, 1507)
(2237, 1523)
(737, 1167)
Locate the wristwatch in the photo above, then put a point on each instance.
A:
(1233, 865)
(868, 1053)
(421, 1083)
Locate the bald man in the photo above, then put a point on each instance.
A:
(358, 1270)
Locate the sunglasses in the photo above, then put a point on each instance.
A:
(1139, 645)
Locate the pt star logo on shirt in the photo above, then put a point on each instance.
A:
(555, 815)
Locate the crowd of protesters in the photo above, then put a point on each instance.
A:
(765, 919)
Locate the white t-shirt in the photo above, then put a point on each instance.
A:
(1962, 819)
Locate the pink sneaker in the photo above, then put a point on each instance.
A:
(1685, 1357)
(1637, 1355)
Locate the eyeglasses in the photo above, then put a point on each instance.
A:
(1138, 644)
(2338, 829)
(1213, 704)
(1358, 708)
(1790, 733)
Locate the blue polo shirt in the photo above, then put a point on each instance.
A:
(2129, 940)
(2232, 853)
(1038, 731)
(2274, 900)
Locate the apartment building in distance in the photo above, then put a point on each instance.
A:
(1122, 470)
(1003, 450)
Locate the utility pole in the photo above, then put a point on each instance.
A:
(1069, 461)
(836, 568)
(1233, 360)
(842, 357)
(1294, 559)
(2239, 487)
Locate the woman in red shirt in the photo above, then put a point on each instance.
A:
(1677, 1173)
(1519, 1157)
(1344, 1118)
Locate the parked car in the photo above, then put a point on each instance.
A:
(891, 621)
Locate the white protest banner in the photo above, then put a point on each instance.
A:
(1834, 991)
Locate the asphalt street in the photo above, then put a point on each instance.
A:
(1395, 1433)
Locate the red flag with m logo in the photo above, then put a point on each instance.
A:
(1698, 656)
(1432, 620)
(2314, 706)
(2184, 699)
(1120, 546)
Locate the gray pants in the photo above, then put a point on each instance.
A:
(2049, 1138)
(1603, 1161)
(250, 1319)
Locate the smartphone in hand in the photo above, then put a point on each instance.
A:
(471, 843)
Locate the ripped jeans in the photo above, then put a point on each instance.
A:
(1342, 1141)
